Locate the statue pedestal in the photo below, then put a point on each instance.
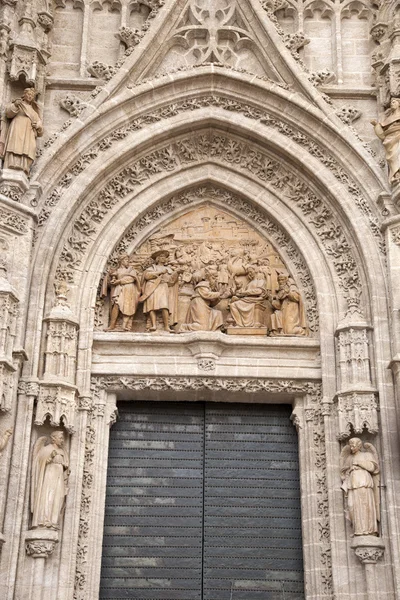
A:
(13, 184)
(247, 331)
(369, 549)
(40, 542)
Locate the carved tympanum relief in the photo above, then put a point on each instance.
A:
(359, 468)
(50, 470)
(388, 131)
(205, 271)
(18, 138)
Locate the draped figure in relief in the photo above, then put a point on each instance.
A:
(288, 317)
(156, 293)
(249, 303)
(201, 316)
(18, 139)
(359, 469)
(388, 131)
(49, 480)
(125, 293)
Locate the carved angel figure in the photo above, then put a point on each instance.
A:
(359, 469)
(49, 480)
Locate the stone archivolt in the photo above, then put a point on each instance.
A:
(231, 151)
(230, 105)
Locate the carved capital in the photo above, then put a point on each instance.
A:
(28, 388)
(40, 548)
(369, 555)
(40, 543)
(368, 549)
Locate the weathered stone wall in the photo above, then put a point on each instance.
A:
(265, 117)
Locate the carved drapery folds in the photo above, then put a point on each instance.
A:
(357, 400)
(205, 271)
(57, 395)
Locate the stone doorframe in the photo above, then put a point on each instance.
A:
(311, 416)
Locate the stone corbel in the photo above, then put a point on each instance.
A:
(58, 402)
(357, 411)
(40, 543)
(369, 550)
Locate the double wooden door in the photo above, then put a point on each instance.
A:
(202, 503)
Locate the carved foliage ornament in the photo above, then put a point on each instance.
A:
(261, 116)
(233, 152)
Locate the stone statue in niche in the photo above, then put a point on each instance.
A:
(50, 471)
(125, 292)
(23, 126)
(359, 469)
(4, 438)
(288, 317)
(204, 271)
(388, 131)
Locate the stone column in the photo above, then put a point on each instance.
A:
(369, 549)
(40, 544)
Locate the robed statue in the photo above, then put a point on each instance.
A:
(50, 470)
(388, 131)
(18, 138)
(359, 469)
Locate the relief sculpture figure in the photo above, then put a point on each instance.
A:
(125, 292)
(49, 480)
(388, 131)
(18, 140)
(359, 470)
(201, 316)
(288, 317)
(206, 271)
(249, 303)
(156, 293)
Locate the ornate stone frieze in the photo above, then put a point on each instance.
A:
(226, 104)
(249, 386)
(222, 148)
(357, 411)
(13, 221)
(314, 417)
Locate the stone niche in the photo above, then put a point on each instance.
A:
(206, 270)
